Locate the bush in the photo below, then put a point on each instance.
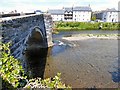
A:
(11, 71)
(52, 83)
(13, 75)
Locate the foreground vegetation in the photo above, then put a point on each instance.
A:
(67, 26)
(13, 75)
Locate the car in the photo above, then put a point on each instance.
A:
(38, 12)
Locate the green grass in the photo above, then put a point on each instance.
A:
(68, 26)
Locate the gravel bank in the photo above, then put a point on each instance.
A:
(91, 36)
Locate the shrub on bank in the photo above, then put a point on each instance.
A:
(11, 70)
(47, 83)
(13, 75)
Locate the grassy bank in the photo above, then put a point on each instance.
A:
(69, 26)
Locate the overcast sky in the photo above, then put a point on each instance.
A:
(31, 5)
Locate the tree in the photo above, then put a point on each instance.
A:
(93, 18)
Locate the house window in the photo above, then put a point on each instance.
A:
(112, 20)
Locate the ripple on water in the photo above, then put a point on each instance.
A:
(60, 46)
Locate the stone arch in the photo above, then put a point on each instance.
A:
(36, 36)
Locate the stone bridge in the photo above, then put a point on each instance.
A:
(27, 31)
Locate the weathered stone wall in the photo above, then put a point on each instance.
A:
(17, 29)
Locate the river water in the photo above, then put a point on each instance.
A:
(84, 63)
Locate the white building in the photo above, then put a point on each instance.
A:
(57, 14)
(119, 11)
(78, 14)
(82, 14)
(68, 14)
(108, 15)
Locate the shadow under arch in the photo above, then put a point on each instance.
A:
(36, 53)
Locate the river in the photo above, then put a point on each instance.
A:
(84, 63)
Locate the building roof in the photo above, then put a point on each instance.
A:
(68, 9)
(107, 10)
(110, 10)
(56, 11)
(82, 9)
(77, 9)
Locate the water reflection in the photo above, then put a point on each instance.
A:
(36, 53)
(36, 61)
(116, 76)
(115, 71)
(36, 57)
